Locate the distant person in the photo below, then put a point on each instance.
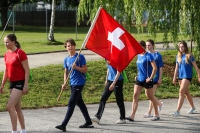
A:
(17, 72)
(157, 80)
(77, 82)
(113, 83)
(146, 70)
(184, 63)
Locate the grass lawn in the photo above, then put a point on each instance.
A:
(47, 81)
(33, 39)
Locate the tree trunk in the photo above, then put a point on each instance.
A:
(51, 30)
(4, 17)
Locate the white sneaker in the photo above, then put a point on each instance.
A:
(191, 111)
(147, 115)
(95, 119)
(160, 107)
(121, 121)
(23, 131)
(176, 113)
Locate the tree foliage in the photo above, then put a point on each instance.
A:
(174, 17)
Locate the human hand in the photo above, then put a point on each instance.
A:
(63, 86)
(25, 90)
(148, 80)
(159, 82)
(74, 66)
(112, 86)
(174, 81)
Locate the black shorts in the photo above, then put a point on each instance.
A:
(17, 84)
(190, 79)
(143, 84)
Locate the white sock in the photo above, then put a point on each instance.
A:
(23, 131)
(14, 132)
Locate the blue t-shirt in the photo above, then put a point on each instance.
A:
(76, 77)
(112, 72)
(184, 69)
(159, 63)
(144, 61)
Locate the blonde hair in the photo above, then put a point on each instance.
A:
(187, 54)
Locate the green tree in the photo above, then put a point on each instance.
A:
(174, 17)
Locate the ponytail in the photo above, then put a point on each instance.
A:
(17, 44)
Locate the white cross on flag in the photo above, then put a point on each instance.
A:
(111, 41)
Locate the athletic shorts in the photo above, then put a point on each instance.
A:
(143, 84)
(190, 79)
(17, 84)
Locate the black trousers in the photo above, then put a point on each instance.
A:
(76, 99)
(118, 91)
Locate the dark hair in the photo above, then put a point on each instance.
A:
(142, 43)
(13, 38)
(151, 41)
(70, 41)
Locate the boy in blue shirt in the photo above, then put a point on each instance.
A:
(77, 82)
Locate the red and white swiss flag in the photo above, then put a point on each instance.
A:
(111, 41)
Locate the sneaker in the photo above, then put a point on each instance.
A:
(95, 119)
(176, 113)
(60, 127)
(23, 131)
(147, 115)
(120, 121)
(155, 118)
(86, 125)
(191, 111)
(160, 107)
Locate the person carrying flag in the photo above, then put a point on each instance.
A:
(77, 82)
(114, 82)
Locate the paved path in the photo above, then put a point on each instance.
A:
(44, 120)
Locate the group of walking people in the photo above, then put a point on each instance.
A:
(149, 77)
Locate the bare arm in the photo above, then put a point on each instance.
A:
(197, 69)
(5, 77)
(160, 76)
(175, 74)
(27, 72)
(82, 69)
(114, 82)
(153, 64)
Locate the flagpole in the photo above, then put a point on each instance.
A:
(84, 42)
(91, 27)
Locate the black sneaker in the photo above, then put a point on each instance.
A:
(86, 125)
(61, 127)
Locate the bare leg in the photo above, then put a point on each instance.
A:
(20, 115)
(150, 103)
(150, 95)
(136, 94)
(183, 87)
(15, 97)
(189, 98)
